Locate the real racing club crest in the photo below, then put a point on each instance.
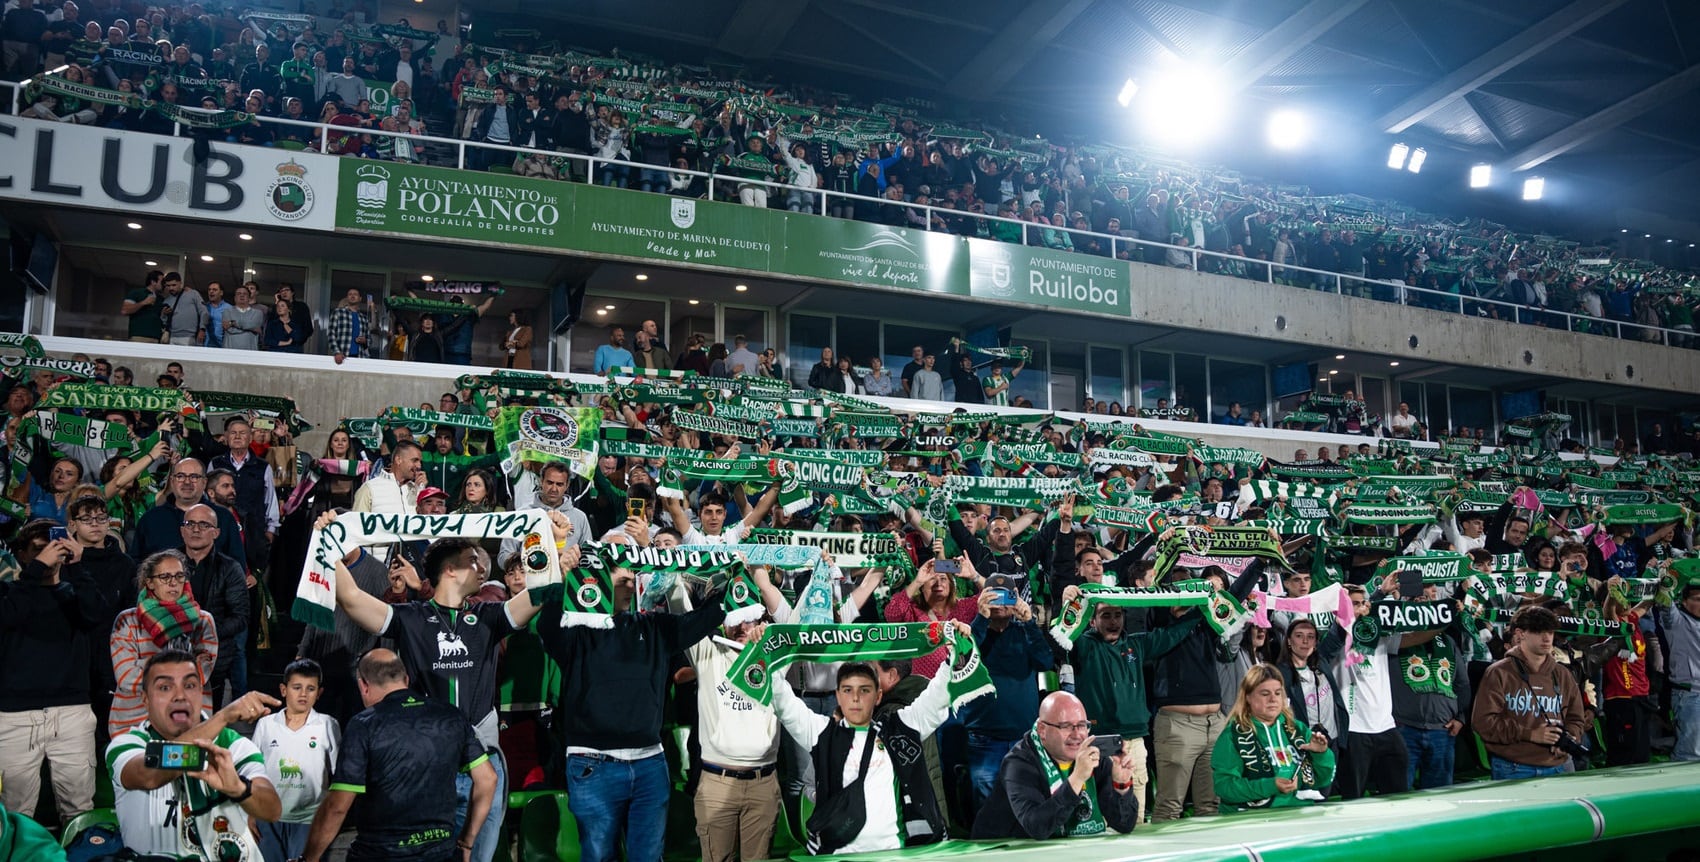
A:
(289, 197)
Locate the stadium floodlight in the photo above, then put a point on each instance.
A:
(1396, 156)
(1533, 188)
(1418, 156)
(1288, 130)
(1183, 105)
(1481, 176)
(1129, 90)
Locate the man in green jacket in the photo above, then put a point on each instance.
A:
(1109, 678)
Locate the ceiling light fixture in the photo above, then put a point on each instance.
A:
(696, 301)
(1534, 188)
(642, 277)
(1394, 363)
(1333, 371)
(244, 236)
(1339, 356)
(740, 287)
(207, 257)
(156, 263)
(133, 225)
(427, 278)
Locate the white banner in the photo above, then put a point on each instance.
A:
(138, 173)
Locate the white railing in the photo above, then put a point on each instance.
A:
(1255, 269)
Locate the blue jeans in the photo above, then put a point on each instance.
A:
(490, 834)
(617, 799)
(1685, 705)
(985, 756)
(652, 181)
(1431, 755)
(1505, 770)
(280, 842)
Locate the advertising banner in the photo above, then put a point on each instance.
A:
(443, 202)
(667, 228)
(85, 166)
(1052, 279)
(861, 253)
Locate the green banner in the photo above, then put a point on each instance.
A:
(861, 253)
(397, 197)
(1047, 278)
(683, 230)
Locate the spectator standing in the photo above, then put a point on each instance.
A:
(1014, 651)
(458, 330)
(283, 333)
(300, 747)
(737, 797)
(926, 384)
(648, 355)
(878, 380)
(996, 385)
(1680, 625)
(1528, 704)
(48, 617)
(742, 360)
(243, 323)
(403, 756)
(1431, 703)
(184, 312)
(350, 332)
(161, 527)
(916, 355)
(395, 489)
(222, 586)
(613, 354)
(216, 308)
(516, 345)
(142, 305)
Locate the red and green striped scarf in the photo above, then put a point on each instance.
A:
(167, 621)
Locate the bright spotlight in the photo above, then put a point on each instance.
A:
(1129, 90)
(1396, 156)
(1533, 188)
(1480, 176)
(1418, 156)
(1183, 105)
(1288, 130)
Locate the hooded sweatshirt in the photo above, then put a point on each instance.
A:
(1519, 694)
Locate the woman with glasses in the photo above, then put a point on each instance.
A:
(166, 617)
(1266, 758)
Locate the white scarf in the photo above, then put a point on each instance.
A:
(315, 595)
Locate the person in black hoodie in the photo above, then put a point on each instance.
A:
(613, 687)
(46, 618)
(1187, 697)
(839, 177)
(113, 573)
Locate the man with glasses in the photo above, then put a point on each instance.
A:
(160, 528)
(1057, 783)
(449, 645)
(221, 586)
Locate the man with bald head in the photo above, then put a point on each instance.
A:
(221, 586)
(160, 528)
(1057, 783)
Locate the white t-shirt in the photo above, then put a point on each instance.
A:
(153, 821)
(734, 730)
(1369, 690)
(299, 762)
(730, 534)
(1403, 423)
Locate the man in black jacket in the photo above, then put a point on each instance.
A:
(961, 370)
(220, 584)
(1042, 788)
(613, 687)
(498, 123)
(46, 618)
(263, 75)
(999, 554)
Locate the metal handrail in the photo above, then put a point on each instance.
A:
(1269, 272)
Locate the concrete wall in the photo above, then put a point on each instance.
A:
(1217, 304)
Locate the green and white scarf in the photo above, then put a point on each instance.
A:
(1076, 616)
(1429, 668)
(315, 595)
(1436, 568)
(1087, 818)
(1219, 542)
(759, 663)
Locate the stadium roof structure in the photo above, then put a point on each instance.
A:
(1605, 92)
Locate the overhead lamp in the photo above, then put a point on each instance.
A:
(244, 236)
(1339, 356)
(207, 257)
(1481, 176)
(740, 287)
(1533, 188)
(156, 263)
(427, 278)
(1623, 230)
(1129, 90)
(609, 307)
(1418, 156)
(1333, 371)
(1394, 363)
(1288, 130)
(1396, 156)
(695, 301)
(133, 225)
(642, 277)
(602, 311)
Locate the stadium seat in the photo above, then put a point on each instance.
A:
(291, 145)
(548, 832)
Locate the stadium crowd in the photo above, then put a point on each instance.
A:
(225, 73)
(881, 627)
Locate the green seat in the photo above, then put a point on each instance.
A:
(500, 169)
(548, 832)
(291, 145)
(81, 822)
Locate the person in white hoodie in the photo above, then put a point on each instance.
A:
(802, 175)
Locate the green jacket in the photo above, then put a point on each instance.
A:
(1109, 678)
(23, 840)
(1245, 775)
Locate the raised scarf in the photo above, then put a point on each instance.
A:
(761, 661)
(1429, 668)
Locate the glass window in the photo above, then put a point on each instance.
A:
(270, 277)
(859, 339)
(1190, 390)
(91, 287)
(1605, 424)
(689, 319)
(1107, 381)
(1068, 375)
(901, 339)
(807, 335)
(1473, 409)
(1439, 418)
(1240, 382)
(1154, 379)
(1412, 394)
(1374, 395)
(748, 322)
(1034, 382)
(601, 315)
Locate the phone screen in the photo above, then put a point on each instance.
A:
(54, 534)
(174, 755)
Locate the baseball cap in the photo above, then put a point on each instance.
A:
(432, 491)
